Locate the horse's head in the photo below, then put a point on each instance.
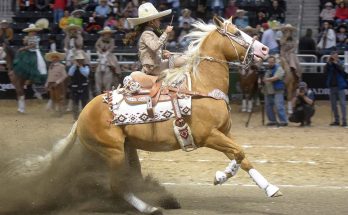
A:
(238, 45)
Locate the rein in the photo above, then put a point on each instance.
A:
(238, 39)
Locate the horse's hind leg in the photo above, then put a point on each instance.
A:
(235, 153)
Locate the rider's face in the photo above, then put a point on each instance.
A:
(156, 23)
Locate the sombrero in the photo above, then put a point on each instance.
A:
(49, 56)
(72, 27)
(78, 11)
(31, 28)
(147, 12)
(79, 56)
(106, 30)
(287, 27)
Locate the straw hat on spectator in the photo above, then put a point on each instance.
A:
(49, 56)
(240, 11)
(32, 28)
(79, 56)
(106, 30)
(146, 13)
(77, 12)
(328, 4)
(72, 27)
(288, 27)
(4, 21)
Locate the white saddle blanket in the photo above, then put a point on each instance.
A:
(125, 113)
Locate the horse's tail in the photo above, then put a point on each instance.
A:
(35, 165)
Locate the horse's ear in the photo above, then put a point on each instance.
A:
(218, 21)
(230, 19)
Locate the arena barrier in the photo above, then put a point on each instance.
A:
(312, 74)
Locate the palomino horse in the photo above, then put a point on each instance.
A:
(213, 46)
(103, 75)
(248, 80)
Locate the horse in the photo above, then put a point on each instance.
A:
(213, 47)
(103, 75)
(248, 80)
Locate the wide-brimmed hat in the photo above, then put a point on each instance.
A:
(106, 30)
(328, 4)
(274, 24)
(241, 11)
(78, 11)
(288, 27)
(79, 56)
(32, 28)
(49, 56)
(146, 13)
(4, 21)
(72, 27)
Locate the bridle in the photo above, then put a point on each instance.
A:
(237, 37)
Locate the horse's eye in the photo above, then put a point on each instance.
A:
(237, 33)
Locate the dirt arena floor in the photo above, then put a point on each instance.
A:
(309, 164)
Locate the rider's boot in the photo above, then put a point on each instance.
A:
(21, 104)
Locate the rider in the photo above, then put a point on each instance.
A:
(152, 40)
(29, 63)
(105, 46)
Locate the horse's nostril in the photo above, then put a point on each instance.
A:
(264, 49)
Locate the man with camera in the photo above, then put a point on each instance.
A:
(274, 93)
(303, 105)
(337, 83)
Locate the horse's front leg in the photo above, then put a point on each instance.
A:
(218, 141)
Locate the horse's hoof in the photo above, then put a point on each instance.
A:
(156, 212)
(273, 191)
(220, 178)
(277, 194)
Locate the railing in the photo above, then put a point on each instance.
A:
(5, 8)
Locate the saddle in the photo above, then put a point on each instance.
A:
(151, 92)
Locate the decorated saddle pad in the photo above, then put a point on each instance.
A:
(125, 113)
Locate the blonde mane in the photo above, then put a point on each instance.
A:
(197, 36)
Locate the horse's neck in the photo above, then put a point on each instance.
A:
(211, 74)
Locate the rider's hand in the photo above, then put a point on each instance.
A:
(166, 54)
(169, 29)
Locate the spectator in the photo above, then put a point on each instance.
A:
(103, 9)
(111, 22)
(52, 43)
(58, 7)
(307, 44)
(276, 12)
(268, 39)
(341, 36)
(303, 105)
(78, 74)
(184, 41)
(217, 6)
(274, 93)
(76, 17)
(6, 32)
(55, 80)
(175, 5)
(116, 9)
(337, 84)
(241, 20)
(341, 15)
(92, 26)
(41, 5)
(260, 18)
(172, 43)
(132, 8)
(201, 12)
(64, 21)
(185, 17)
(327, 42)
(328, 13)
(231, 9)
(26, 5)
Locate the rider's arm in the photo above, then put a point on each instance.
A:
(84, 71)
(152, 41)
(97, 46)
